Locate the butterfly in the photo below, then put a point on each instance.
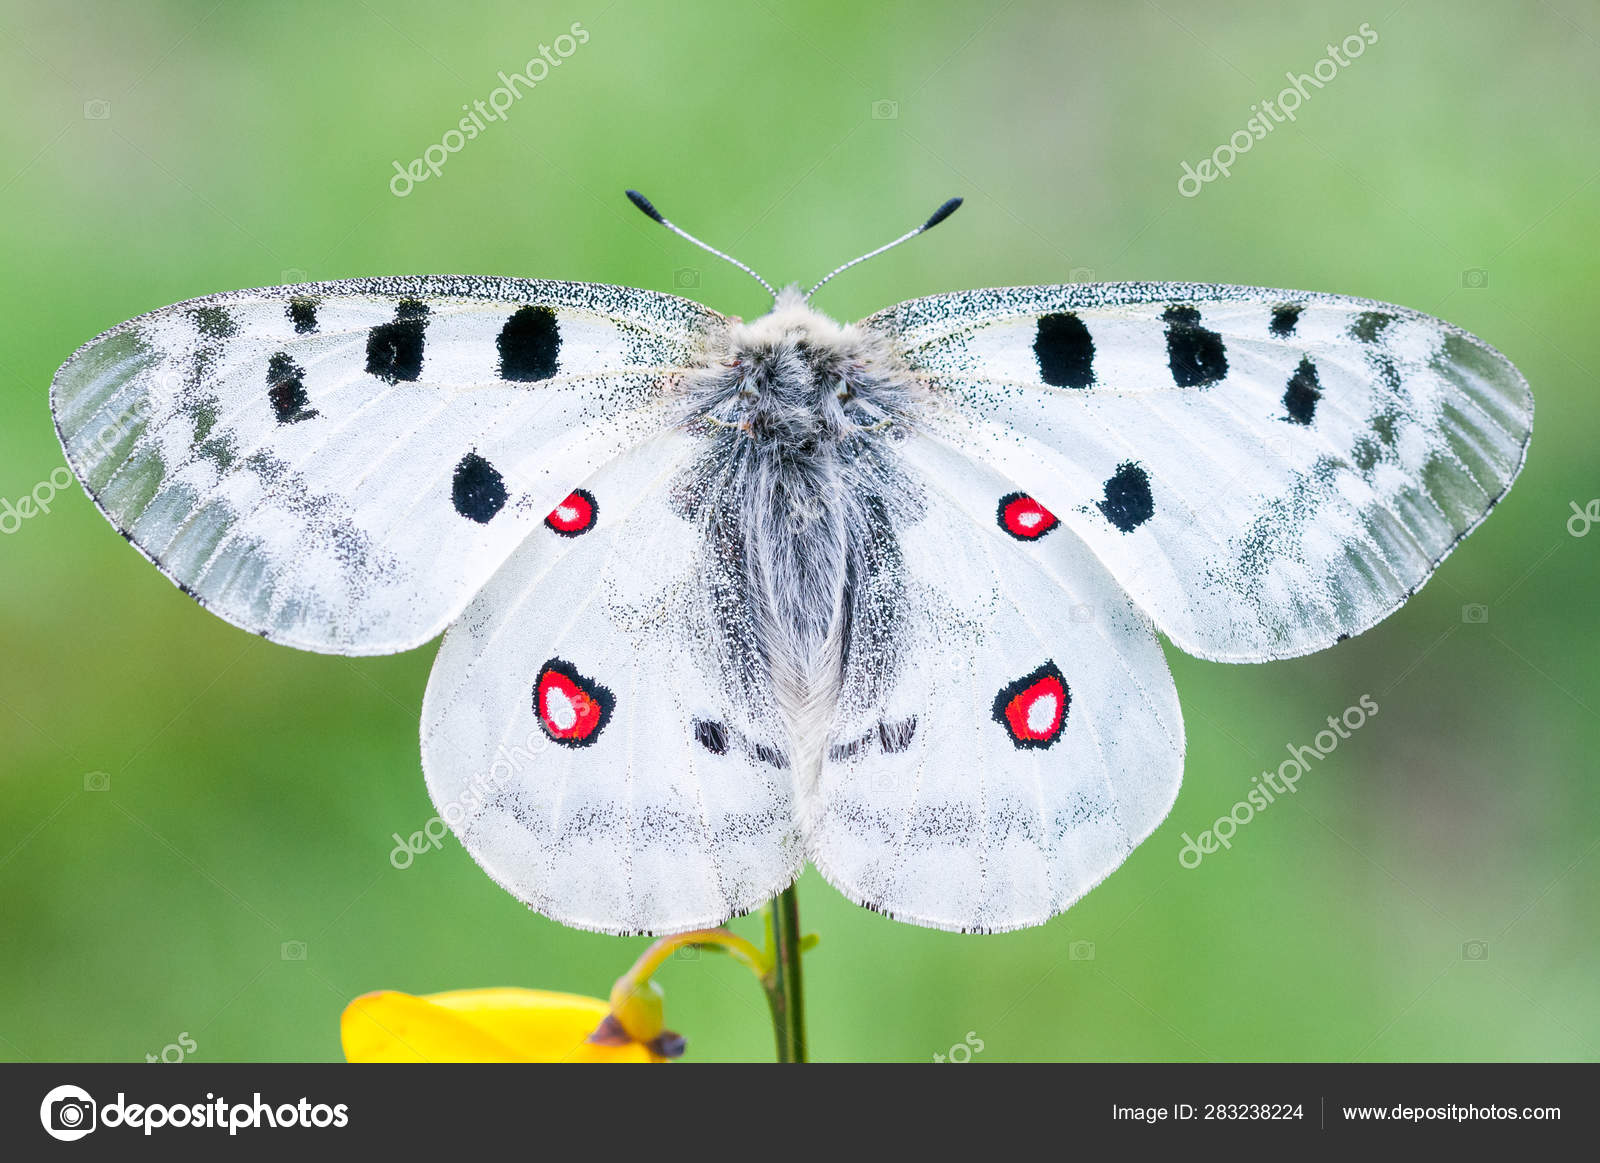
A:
(723, 597)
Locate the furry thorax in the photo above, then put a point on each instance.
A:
(802, 411)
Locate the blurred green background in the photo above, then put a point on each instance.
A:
(181, 800)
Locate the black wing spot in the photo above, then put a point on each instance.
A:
(766, 753)
(1365, 454)
(1128, 503)
(840, 752)
(529, 344)
(1284, 318)
(1195, 353)
(479, 491)
(204, 414)
(711, 735)
(1301, 396)
(1387, 425)
(896, 737)
(1065, 351)
(1383, 366)
(214, 322)
(394, 350)
(222, 450)
(302, 312)
(286, 389)
(1369, 325)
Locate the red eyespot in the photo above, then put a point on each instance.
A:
(1033, 710)
(575, 515)
(571, 709)
(1024, 518)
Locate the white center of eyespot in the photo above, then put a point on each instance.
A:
(566, 513)
(559, 710)
(1029, 519)
(1042, 714)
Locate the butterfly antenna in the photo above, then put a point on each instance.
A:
(934, 219)
(649, 209)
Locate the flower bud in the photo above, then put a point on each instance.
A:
(637, 1008)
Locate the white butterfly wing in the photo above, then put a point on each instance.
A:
(1016, 740)
(1265, 471)
(596, 730)
(340, 466)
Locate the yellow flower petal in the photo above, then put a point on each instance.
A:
(479, 1025)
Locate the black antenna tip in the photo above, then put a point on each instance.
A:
(643, 203)
(939, 215)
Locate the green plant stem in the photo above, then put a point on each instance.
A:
(784, 992)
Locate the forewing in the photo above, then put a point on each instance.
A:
(339, 466)
(1265, 471)
(596, 729)
(1008, 730)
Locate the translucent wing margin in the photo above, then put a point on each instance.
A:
(1265, 471)
(339, 466)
